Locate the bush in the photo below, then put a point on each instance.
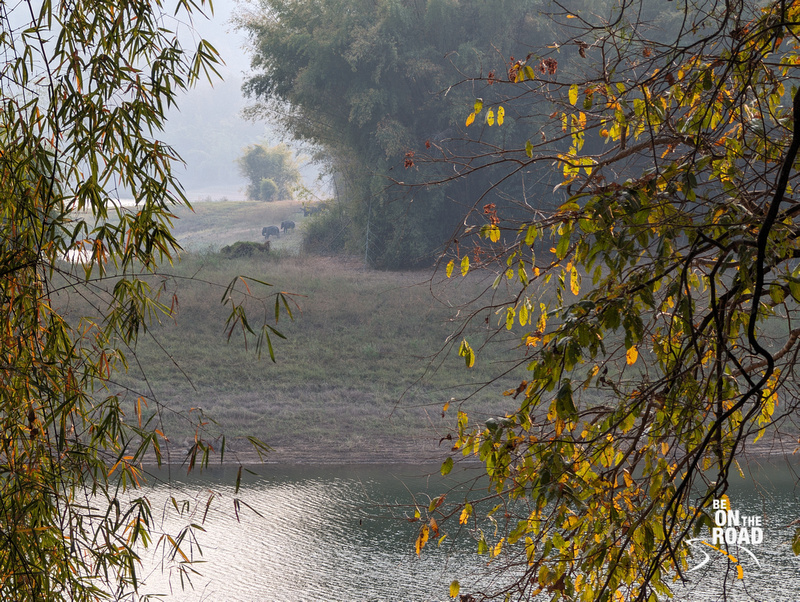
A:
(244, 249)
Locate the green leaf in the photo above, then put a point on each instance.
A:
(466, 352)
(447, 466)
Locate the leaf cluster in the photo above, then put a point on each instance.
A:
(667, 342)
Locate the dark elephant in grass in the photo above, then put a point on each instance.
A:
(287, 225)
(268, 231)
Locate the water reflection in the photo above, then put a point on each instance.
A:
(323, 533)
(310, 533)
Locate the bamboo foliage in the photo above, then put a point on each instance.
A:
(84, 89)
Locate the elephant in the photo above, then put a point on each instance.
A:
(287, 225)
(268, 231)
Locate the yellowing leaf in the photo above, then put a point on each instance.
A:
(490, 117)
(627, 478)
(455, 587)
(447, 466)
(631, 355)
(422, 539)
(574, 281)
(470, 119)
(495, 551)
(467, 353)
(571, 522)
(465, 514)
(524, 314)
(501, 113)
(530, 550)
(464, 265)
(449, 270)
(478, 105)
(494, 233)
(573, 94)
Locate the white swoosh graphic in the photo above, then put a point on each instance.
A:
(691, 543)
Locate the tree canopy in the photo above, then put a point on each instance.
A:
(271, 171)
(367, 83)
(655, 306)
(85, 86)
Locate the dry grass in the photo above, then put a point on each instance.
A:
(364, 371)
(363, 374)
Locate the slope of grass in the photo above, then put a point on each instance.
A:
(360, 376)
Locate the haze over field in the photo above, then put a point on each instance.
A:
(208, 129)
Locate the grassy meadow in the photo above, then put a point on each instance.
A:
(362, 374)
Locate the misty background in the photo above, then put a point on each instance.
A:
(207, 128)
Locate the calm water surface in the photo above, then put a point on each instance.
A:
(307, 533)
(325, 533)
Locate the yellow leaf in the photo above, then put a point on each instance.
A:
(523, 314)
(494, 552)
(465, 514)
(446, 406)
(465, 265)
(631, 355)
(470, 119)
(571, 522)
(422, 539)
(494, 233)
(478, 105)
(530, 550)
(490, 117)
(574, 281)
(501, 113)
(455, 587)
(627, 478)
(573, 94)
(449, 270)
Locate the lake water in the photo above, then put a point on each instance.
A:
(325, 533)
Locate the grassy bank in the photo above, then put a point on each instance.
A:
(362, 375)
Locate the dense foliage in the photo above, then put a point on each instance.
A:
(656, 307)
(272, 172)
(369, 84)
(84, 87)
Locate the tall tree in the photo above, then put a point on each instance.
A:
(655, 307)
(84, 86)
(369, 82)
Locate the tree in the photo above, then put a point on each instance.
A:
(366, 83)
(655, 306)
(85, 86)
(272, 172)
